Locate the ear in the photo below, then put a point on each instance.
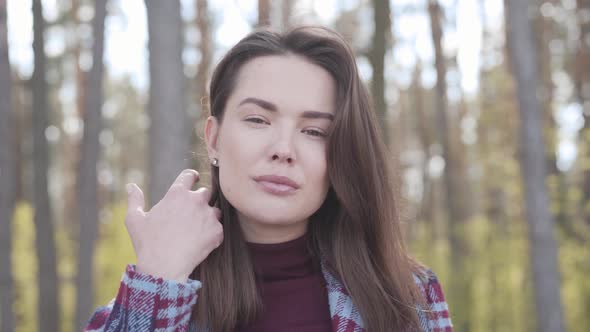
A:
(211, 133)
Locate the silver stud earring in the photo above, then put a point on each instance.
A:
(215, 162)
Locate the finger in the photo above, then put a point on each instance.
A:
(135, 198)
(220, 236)
(187, 178)
(204, 194)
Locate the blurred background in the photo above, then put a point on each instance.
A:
(484, 104)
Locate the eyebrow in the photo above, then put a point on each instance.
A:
(267, 105)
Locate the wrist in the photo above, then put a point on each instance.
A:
(161, 273)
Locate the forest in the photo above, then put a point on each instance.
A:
(484, 106)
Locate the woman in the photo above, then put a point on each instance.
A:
(300, 231)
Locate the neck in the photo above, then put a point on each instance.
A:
(268, 233)
(282, 261)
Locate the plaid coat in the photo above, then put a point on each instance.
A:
(145, 303)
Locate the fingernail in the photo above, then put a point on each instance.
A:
(129, 188)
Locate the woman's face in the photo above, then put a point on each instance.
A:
(271, 145)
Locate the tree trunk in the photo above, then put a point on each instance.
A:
(88, 208)
(456, 215)
(543, 247)
(381, 39)
(544, 30)
(71, 145)
(204, 25)
(48, 303)
(286, 13)
(463, 200)
(263, 13)
(493, 194)
(22, 121)
(451, 187)
(582, 89)
(424, 134)
(169, 133)
(582, 63)
(205, 46)
(7, 179)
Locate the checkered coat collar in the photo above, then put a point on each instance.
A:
(346, 317)
(147, 303)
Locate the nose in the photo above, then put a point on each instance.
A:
(283, 150)
(282, 157)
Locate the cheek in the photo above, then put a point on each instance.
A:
(317, 166)
(238, 153)
(233, 144)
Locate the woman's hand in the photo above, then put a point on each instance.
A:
(178, 233)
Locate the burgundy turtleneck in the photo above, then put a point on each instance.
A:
(292, 289)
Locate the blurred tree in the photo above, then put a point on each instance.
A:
(113, 252)
(456, 212)
(88, 208)
(169, 131)
(381, 42)
(347, 23)
(48, 305)
(7, 178)
(71, 144)
(424, 131)
(582, 96)
(500, 268)
(205, 47)
(22, 122)
(495, 132)
(124, 116)
(452, 190)
(545, 31)
(204, 25)
(459, 110)
(263, 13)
(547, 38)
(582, 72)
(543, 247)
(286, 13)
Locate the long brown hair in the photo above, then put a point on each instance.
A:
(356, 232)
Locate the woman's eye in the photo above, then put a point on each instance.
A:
(314, 132)
(256, 120)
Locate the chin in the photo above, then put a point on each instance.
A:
(274, 217)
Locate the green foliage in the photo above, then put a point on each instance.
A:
(496, 269)
(66, 269)
(574, 262)
(501, 282)
(114, 251)
(24, 262)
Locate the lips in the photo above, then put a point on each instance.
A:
(277, 185)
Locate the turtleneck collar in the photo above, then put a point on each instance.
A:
(282, 261)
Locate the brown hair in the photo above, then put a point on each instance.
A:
(356, 232)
